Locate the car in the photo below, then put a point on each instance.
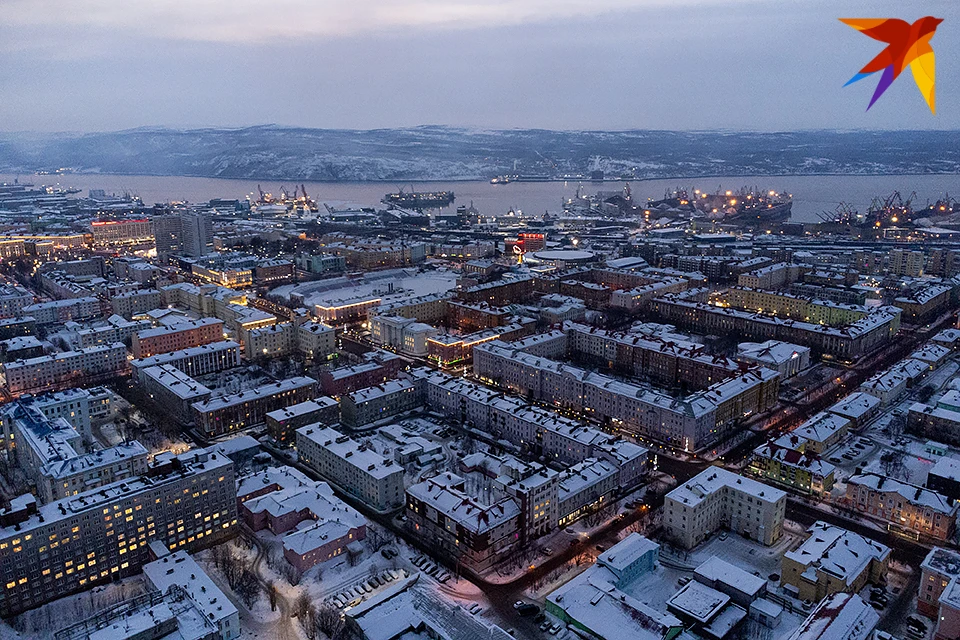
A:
(723, 535)
(835, 460)
(527, 609)
(683, 581)
(876, 605)
(518, 604)
(540, 617)
(548, 550)
(913, 621)
(555, 629)
(545, 625)
(601, 548)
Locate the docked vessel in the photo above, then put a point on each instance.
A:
(419, 199)
(748, 204)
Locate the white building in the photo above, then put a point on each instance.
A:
(718, 498)
(316, 340)
(786, 359)
(181, 570)
(67, 369)
(403, 334)
(195, 361)
(360, 471)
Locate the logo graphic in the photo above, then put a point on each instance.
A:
(907, 44)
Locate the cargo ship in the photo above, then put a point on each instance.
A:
(419, 199)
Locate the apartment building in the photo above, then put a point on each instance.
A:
(832, 560)
(316, 340)
(183, 335)
(461, 528)
(195, 361)
(65, 370)
(270, 342)
(117, 329)
(718, 498)
(89, 539)
(843, 343)
(786, 359)
(691, 424)
(378, 367)
(179, 573)
(909, 509)
(132, 303)
(60, 311)
(282, 424)
(173, 391)
(226, 414)
(127, 231)
(788, 462)
(13, 298)
(533, 429)
(403, 334)
(370, 404)
(939, 572)
(358, 470)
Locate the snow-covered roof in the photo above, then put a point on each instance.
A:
(180, 569)
(718, 571)
(716, 478)
(841, 616)
(842, 554)
(918, 496)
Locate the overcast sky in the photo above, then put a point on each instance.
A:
(93, 65)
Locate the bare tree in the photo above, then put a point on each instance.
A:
(329, 621)
(247, 587)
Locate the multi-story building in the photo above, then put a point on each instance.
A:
(184, 335)
(934, 422)
(907, 508)
(669, 358)
(773, 276)
(51, 452)
(431, 309)
(939, 573)
(786, 359)
(316, 340)
(924, 304)
(944, 477)
(902, 262)
(61, 311)
(831, 560)
(691, 424)
(112, 233)
(195, 361)
(858, 407)
(79, 407)
(370, 404)
(586, 487)
(448, 350)
(132, 303)
(281, 499)
(229, 413)
(283, 423)
(65, 370)
(270, 342)
(13, 299)
(355, 468)
(179, 573)
(320, 263)
(14, 327)
(196, 233)
(842, 615)
(268, 271)
(173, 391)
(79, 542)
(844, 343)
(821, 432)
(460, 527)
(403, 334)
(718, 498)
(20, 348)
(787, 462)
(117, 329)
(531, 428)
(379, 367)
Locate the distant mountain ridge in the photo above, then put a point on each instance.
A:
(272, 152)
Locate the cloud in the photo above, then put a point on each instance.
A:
(238, 21)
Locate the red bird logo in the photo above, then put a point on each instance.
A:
(907, 44)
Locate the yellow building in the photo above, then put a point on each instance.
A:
(833, 559)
